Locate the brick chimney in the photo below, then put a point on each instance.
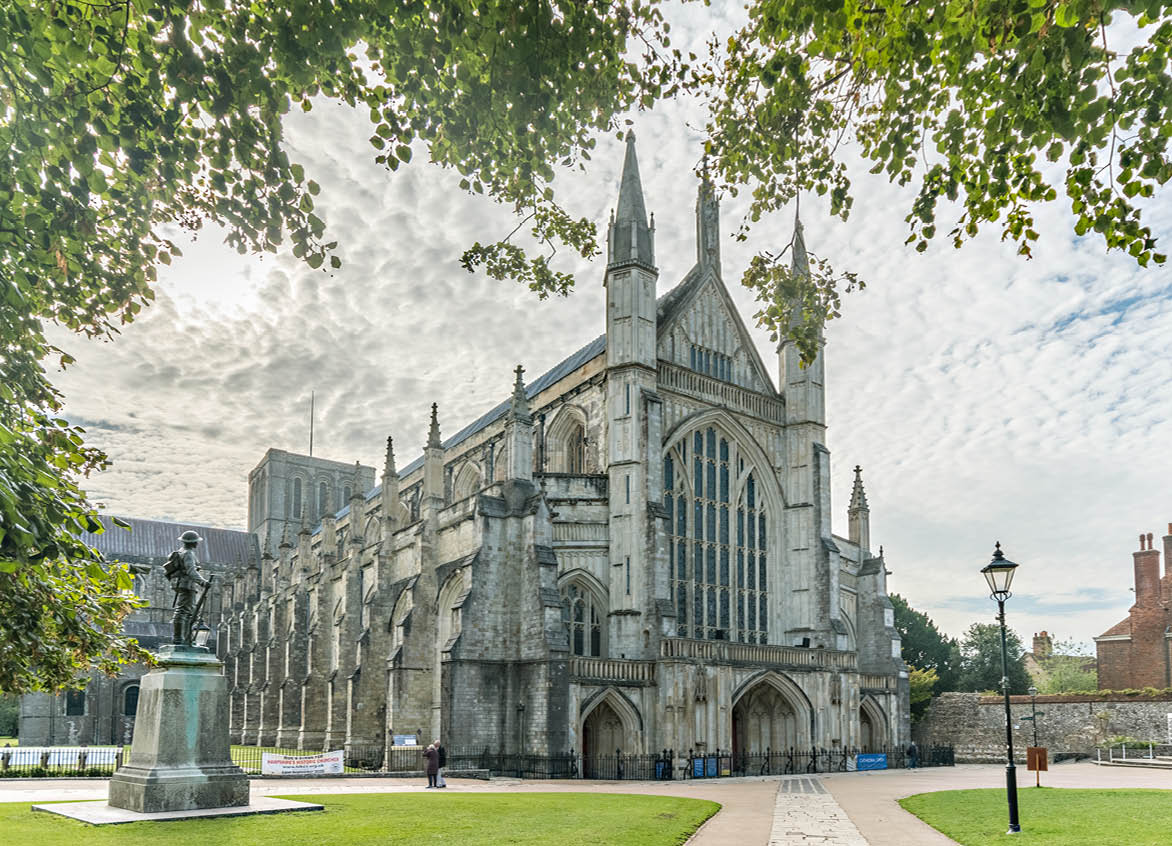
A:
(1043, 645)
(1147, 573)
(1168, 564)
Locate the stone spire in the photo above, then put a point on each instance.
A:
(390, 494)
(433, 465)
(858, 514)
(630, 239)
(519, 433)
(329, 533)
(433, 433)
(707, 224)
(800, 265)
(519, 407)
(858, 495)
(285, 542)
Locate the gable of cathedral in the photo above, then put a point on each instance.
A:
(701, 330)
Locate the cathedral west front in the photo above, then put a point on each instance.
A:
(632, 552)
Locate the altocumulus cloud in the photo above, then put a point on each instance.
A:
(987, 397)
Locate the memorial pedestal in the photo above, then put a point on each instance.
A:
(180, 758)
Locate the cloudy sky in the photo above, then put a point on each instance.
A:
(986, 397)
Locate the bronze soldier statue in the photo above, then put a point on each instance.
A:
(185, 578)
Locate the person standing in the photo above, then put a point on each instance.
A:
(441, 761)
(431, 753)
(913, 755)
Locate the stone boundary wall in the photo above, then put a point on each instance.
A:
(1069, 725)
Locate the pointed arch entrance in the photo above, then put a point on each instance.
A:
(611, 727)
(770, 716)
(872, 725)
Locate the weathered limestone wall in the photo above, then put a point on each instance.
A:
(975, 724)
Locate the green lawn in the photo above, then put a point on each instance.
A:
(1062, 817)
(10, 741)
(556, 819)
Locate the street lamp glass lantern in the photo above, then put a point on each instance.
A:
(999, 574)
(1033, 691)
(201, 634)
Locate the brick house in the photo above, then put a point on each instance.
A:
(1134, 653)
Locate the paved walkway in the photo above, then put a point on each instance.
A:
(840, 809)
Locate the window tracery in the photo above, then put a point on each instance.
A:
(718, 538)
(582, 614)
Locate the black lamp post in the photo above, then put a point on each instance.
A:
(999, 574)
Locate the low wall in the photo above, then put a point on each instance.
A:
(1067, 725)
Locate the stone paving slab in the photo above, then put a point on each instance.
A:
(806, 813)
(100, 813)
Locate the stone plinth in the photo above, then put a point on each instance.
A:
(180, 759)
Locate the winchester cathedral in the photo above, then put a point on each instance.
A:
(634, 551)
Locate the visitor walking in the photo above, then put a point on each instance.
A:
(441, 761)
(913, 756)
(431, 753)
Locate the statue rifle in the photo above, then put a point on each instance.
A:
(195, 615)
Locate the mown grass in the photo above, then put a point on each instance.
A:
(405, 819)
(1057, 816)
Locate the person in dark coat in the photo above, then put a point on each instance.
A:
(432, 756)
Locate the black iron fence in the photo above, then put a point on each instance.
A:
(57, 762)
(794, 761)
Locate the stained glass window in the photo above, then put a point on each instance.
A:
(582, 617)
(718, 564)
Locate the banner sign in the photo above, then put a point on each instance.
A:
(871, 761)
(326, 763)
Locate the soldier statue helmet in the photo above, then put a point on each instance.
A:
(183, 574)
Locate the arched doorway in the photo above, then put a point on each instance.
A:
(766, 725)
(604, 739)
(872, 726)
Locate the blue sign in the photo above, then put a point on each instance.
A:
(710, 766)
(404, 740)
(872, 761)
(660, 767)
(697, 768)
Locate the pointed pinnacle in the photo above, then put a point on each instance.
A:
(268, 550)
(389, 463)
(858, 495)
(433, 435)
(284, 535)
(801, 261)
(304, 519)
(519, 407)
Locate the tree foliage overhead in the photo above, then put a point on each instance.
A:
(981, 665)
(998, 105)
(122, 122)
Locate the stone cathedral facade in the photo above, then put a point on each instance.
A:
(632, 552)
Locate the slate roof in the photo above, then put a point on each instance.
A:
(151, 541)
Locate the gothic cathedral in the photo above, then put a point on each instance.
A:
(634, 551)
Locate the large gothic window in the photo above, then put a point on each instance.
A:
(583, 618)
(718, 544)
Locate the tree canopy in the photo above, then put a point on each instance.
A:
(125, 122)
(981, 667)
(925, 646)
